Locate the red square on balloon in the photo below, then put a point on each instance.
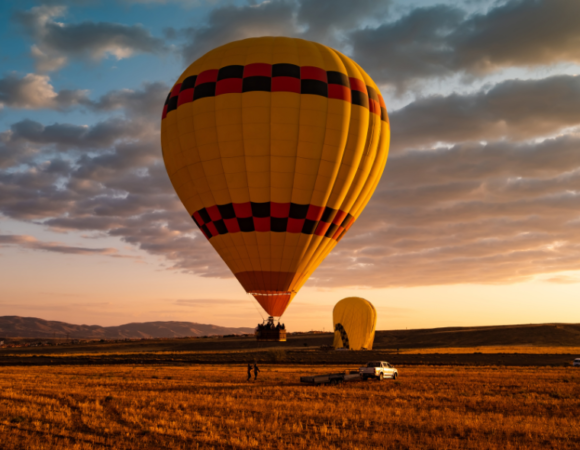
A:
(262, 223)
(232, 225)
(185, 97)
(258, 70)
(358, 85)
(313, 73)
(339, 92)
(243, 210)
(175, 90)
(208, 76)
(211, 227)
(229, 86)
(280, 210)
(286, 84)
(214, 212)
(198, 218)
(314, 213)
(295, 225)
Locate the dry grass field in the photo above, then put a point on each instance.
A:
(204, 407)
(497, 349)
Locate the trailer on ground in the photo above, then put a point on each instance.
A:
(332, 378)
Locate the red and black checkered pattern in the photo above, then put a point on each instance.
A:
(271, 216)
(275, 78)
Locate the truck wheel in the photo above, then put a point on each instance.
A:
(395, 375)
(381, 376)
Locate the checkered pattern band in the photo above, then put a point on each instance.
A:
(271, 216)
(275, 78)
(343, 335)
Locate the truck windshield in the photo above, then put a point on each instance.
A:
(374, 364)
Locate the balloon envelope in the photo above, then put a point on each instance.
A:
(355, 320)
(274, 145)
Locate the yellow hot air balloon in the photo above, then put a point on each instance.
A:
(274, 145)
(355, 320)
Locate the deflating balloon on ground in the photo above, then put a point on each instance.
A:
(355, 320)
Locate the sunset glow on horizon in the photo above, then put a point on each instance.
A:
(476, 220)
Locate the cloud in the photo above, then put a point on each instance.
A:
(496, 203)
(519, 33)
(184, 3)
(28, 139)
(469, 162)
(324, 21)
(425, 44)
(472, 213)
(231, 23)
(106, 177)
(146, 102)
(441, 41)
(517, 109)
(209, 302)
(57, 41)
(31, 243)
(100, 135)
(35, 92)
(562, 279)
(411, 48)
(325, 18)
(47, 61)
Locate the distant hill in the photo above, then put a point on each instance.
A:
(31, 327)
(544, 334)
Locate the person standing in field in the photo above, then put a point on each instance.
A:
(256, 370)
(249, 372)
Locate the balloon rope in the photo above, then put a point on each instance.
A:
(257, 309)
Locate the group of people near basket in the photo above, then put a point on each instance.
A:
(270, 326)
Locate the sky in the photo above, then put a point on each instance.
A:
(476, 220)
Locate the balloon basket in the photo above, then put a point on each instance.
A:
(271, 335)
(268, 331)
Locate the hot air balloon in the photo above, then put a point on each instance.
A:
(274, 145)
(355, 320)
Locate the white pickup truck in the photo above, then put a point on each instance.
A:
(378, 370)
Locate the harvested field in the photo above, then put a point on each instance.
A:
(184, 407)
